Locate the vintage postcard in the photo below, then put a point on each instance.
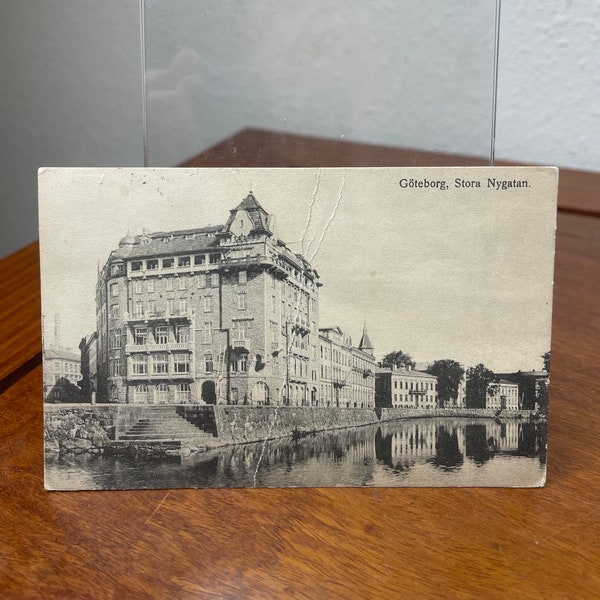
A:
(296, 327)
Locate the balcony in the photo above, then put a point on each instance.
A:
(160, 376)
(169, 347)
(159, 315)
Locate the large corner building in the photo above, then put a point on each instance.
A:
(225, 314)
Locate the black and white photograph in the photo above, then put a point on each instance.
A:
(307, 327)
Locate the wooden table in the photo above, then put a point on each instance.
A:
(315, 543)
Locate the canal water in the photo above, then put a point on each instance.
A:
(414, 452)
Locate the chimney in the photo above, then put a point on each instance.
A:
(57, 331)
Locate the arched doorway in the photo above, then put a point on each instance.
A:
(208, 392)
(260, 393)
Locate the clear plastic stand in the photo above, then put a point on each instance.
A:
(319, 83)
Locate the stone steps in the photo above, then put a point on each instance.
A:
(162, 423)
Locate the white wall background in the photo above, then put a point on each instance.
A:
(71, 81)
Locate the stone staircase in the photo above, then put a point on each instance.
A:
(163, 424)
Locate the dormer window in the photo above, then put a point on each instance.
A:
(136, 265)
(183, 261)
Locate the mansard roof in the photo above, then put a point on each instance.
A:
(170, 242)
(365, 342)
(59, 353)
(258, 215)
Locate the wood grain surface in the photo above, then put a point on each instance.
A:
(578, 190)
(313, 543)
(20, 327)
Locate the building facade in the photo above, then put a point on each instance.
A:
(225, 314)
(346, 373)
(533, 388)
(502, 395)
(61, 373)
(405, 388)
(89, 367)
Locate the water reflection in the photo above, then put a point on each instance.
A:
(417, 452)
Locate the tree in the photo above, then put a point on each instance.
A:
(397, 358)
(448, 373)
(478, 379)
(546, 357)
(542, 397)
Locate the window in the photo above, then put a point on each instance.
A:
(239, 330)
(115, 367)
(139, 309)
(140, 336)
(161, 335)
(171, 306)
(150, 286)
(151, 307)
(208, 362)
(207, 303)
(207, 339)
(201, 280)
(140, 364)
(183, 393)
(182, 333)
(152, 265)
(162, 393)
(114, 289)
(114, 311)
(183, 261)
(242, 301)
(181, 363)
(199, 259)
(141, 393)
(214, 259)
(169, 284)
(243, 362)
(160, 364)
(182, 306)
(208, 280)
(137, 286)
(182, 283)
(168, 263)
(117, 269)
(115, 338)
(114, 392)
(136, 265)
(242, 278)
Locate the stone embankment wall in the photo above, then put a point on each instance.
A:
(78, 427)
(391, 414)
(240, 424)
(91, 428)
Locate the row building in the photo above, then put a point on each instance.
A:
(399, 387)
(223, 314)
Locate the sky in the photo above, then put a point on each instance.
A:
(463, 273)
